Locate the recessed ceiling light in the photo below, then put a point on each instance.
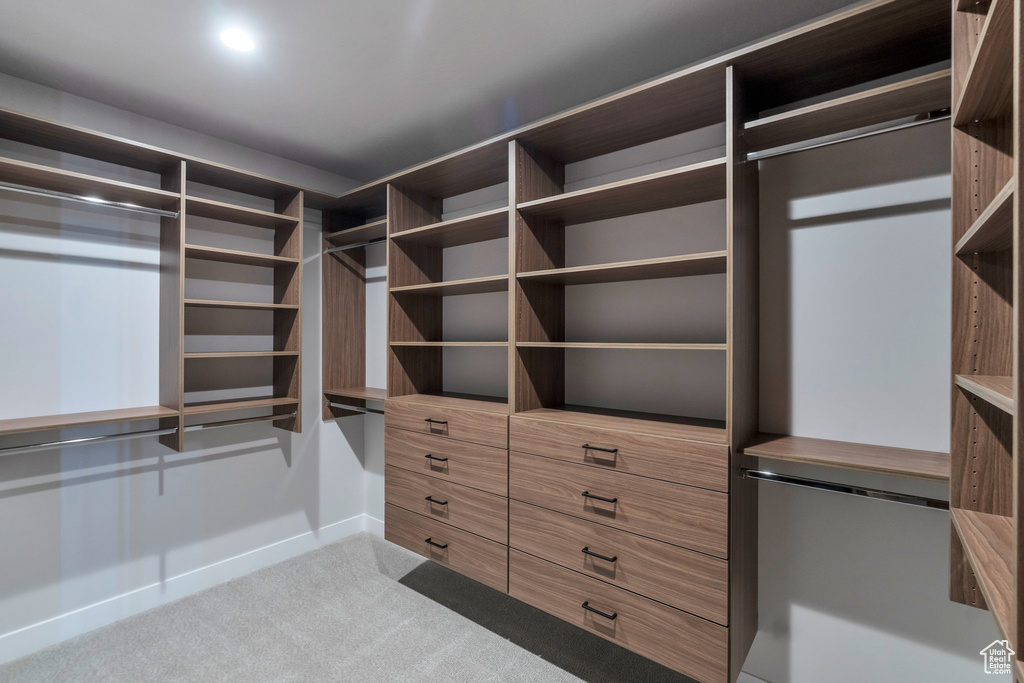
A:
(237, 39)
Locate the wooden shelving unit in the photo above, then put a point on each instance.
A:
(987, 479)
(859, 457)
(910, 97)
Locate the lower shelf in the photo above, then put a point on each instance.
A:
(364, 393)
(22, 425)
(691, 429)
(242, 404)
(988, 544)
(852, 456)
(478, 402)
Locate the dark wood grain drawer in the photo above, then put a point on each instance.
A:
(686, 462)
(683, 515)
(479, 512)
(466, 553)
(679, 577)
(680, 641)
(489, 429)
(482, 467)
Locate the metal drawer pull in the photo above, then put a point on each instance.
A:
(588, 447)
(428, 456)
(435, 422)
(437, 545)
(611, 617)
(588, 494)
(588, 551)
(435, 500)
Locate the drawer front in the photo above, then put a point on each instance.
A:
(489, 429)
(678, 640)
(666, 573)
(475, 557)
(686, 462)
(683, 515)
(479, 512)
(481, 467)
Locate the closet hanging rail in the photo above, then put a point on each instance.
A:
(354, 409)
(757, 156)
(878, 494)
(95, 201)
(84, 440)
(355, 245)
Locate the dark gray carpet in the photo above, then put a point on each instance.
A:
(359, 610)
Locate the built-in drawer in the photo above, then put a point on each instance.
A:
(482, 467)
(683, 515)
(679, 577)
(687, 462)
(473, 510)
(466, 553)
(489, 429)
(680, 641)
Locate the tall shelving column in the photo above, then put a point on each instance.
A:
(984, 447)
(172, 310)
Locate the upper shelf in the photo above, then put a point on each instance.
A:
(210, 303)
(988, 543)
(480, 227)
(23, 425)
(644, 269)
(903, 462)
(993, 229)
(996, 390)
(691, 184)
(987, 90)
(913, 96)
(368, 232)
(49, 134)
(476, 285)
(239, 257)
(49, 178)
(208, 208)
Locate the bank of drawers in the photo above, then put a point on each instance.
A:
(446, 487)
(625, 535)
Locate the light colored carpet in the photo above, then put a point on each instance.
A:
(359, 610)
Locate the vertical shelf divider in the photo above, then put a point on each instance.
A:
(288, 324)
(172, 310)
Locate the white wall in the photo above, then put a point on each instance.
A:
(94, 533)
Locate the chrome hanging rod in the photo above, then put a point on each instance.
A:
(84, 440)
(757, 156)
(878, 494)
(356, 245)
(54, 194)
(355, 409)
(244, 420)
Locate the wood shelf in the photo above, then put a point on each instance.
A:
(242, 354)
(232, 213)
(993, 229)
(22, 425)
(241, 404)
(377, 230)
(627, 346)
(918, 95)
(691, 184)
(238, 257)
(845, 455)
(997, 390)
(428, 344)
(364, 393)
(689, 429)
(988, 543)
(709, 263)
(49, 178)
(476, 285)
(480, 227)
(987, 90)
(479, 403)
(210, 303)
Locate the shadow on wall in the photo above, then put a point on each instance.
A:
(568, 647)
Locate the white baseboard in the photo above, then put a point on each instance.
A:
(35, 637)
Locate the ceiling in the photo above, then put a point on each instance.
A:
(366, 87)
